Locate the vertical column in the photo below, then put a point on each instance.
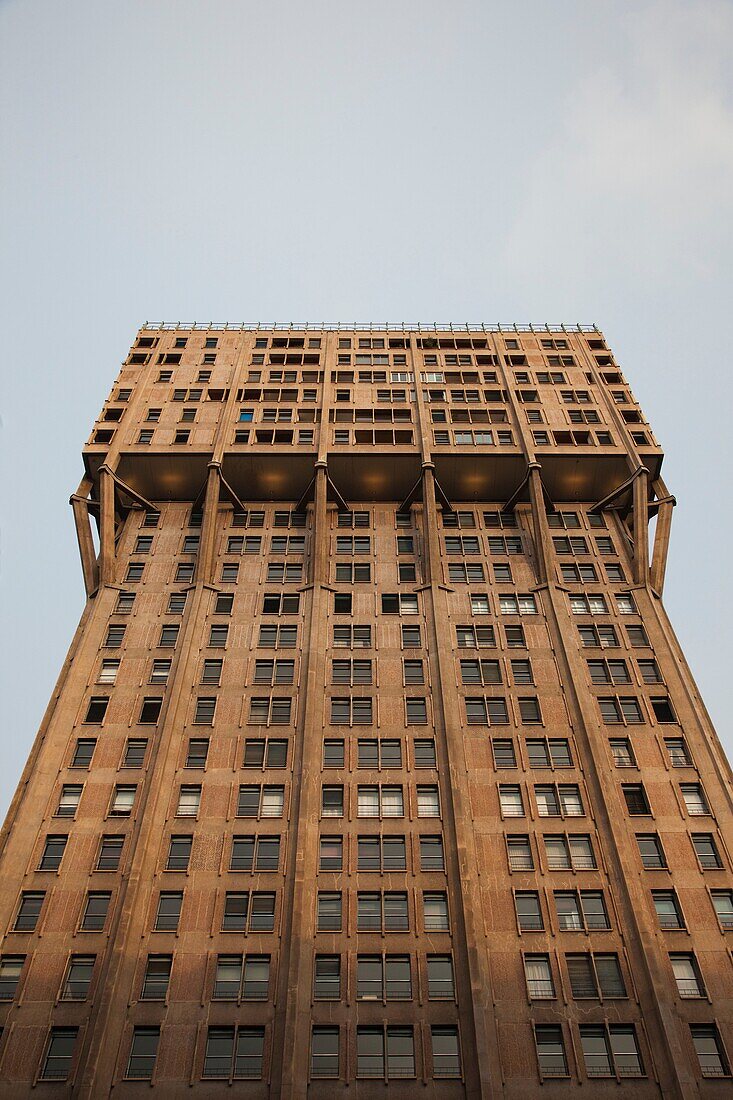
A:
(89, 565)
(205, 562)
(641, 526)
(661, 538)
(539, 525)
(291, 1041)
(106, 526)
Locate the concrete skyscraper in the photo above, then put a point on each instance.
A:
(374, 757)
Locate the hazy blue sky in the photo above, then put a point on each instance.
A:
(519, 161)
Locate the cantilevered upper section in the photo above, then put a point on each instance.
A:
(373, 402)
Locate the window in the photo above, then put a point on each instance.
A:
(637, 637)
(378, 752)
(179, 853)
(610, 1050)
(204, 713)
(428, 802)
(663, 711)
(157, 977)
(548, 753)
(377, 1048)
(95, 911)
(276, 603)
(29, 910)
(668, 909)
(651, 851)
(603, 637)
(622, 752)
(446, 1051)
(417, 712)
(399, 604)
(327, 978)
(515, 637)
(706, 851)
(529, 710)
(198, 751)
(519, 853)
(687, 975)
(620, 710)
(110, 853)
(571, 913)
(678, 752)
(108, 671)
(709, 1049)
(257, 801)
(424, 753)
(83, 752)
(53, 851)
(270, 710)
(143, 1052)
(510, 801)
(609, 672)
(472, 637)
(169, 911)
(480, 672)
(383, 978)
(324, 1052)
(234, 1052)
(150, 710)
(59, 1053)
(332, 801)
(595, 975)
(432, 857)
(135, 749)
(558, 801)
(97, 708)
(503, 751)
(352, 637)
(538, 976)
(550, 1047)
(636, 799)
(479, 603)
(331, 853)
(278, 637)
(11, 967)
(125, 601)
(328, 918)
(382, 912)
(218, 636)
(69, 800)
(694, 799)
(517, 605)
(723, 905)
(223, 604)
(486, 711)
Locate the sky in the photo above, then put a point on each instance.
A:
(393, 161)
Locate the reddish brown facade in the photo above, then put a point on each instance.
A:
(375, 758)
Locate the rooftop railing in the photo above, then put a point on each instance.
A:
(362, 326)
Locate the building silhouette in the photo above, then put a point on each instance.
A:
(375, 757)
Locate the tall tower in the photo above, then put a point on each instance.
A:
(374, 758)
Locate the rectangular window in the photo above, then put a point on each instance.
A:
(324, 1052)
(551, 1056)
(95, 911)
(11, 967)
(157, 978)
(143, 1052)
(327, 978)
(709, 1049)
(59, 1054)
(169, 911)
